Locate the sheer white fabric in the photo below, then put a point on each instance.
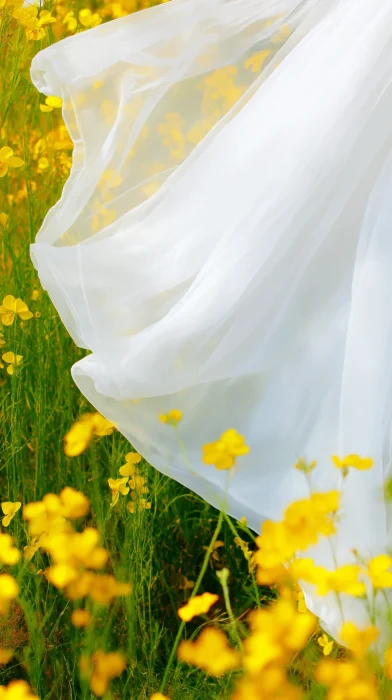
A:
(223, 244)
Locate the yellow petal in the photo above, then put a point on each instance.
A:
(53, 101)
(9, 357)
(9, 302)
(5, 152)
(7, 319)
(15, 162)
(46, 108)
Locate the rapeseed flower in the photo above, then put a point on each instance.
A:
(199, 605)
(9, 509)
(9, 554)
(118, 486)
(326, 644)
(173, 417)
(12, 360)
(211, 652)
(8, 160)
(11, 308)
(9, 589)
(354, 461)
(223, 453)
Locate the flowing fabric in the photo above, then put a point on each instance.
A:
(223, 245)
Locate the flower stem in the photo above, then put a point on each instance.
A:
(194, 592)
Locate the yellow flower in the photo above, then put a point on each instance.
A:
(3, 219)
(9, 509)
(128, 469)
(88, 18)
(222, 453)
(378, 571)
(344, 580)
(51, 102)
(199, 605)
(9, 554)
(9, 589)
(346, 679)
(277, 632)
(8, 160)
(118, 486)
(33, 21)
(358, 641)
(105, 667)
(360, 463)
(104, 587)
(80, 618)
(70, 21)
(17, 690)
(158, 696)
(211, 652)
(11, 308)
(82, 432)
(173, 417)
(32, 548)
(61, 575)
(12, 360)
(74, 504)
(326, 644)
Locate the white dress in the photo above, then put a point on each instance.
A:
(223, 245)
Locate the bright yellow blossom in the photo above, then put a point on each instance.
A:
(9, 589)
(118, 486)
(326, 644)
(11, 308)
(82, 432)
(158, 696)
(89, 19)
(34, 21)
(173, 417)
(17, 690)
(51, 102)
(222, 453)
(199, 605)
(358, 640)
(378, 570)
(131, 459)
(12, 360)
(346, 679)
(9, 554)
(9, 509)
(3, 219)
(360, 463)
(8, 160)
(211, 652)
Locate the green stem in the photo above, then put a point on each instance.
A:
(194, 592)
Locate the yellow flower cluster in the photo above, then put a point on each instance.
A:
(131, 480)
(101, 669)
(76, 556)
(34, 21)
(82, 432)
(223, 452)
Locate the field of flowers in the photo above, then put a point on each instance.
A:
(115, 581)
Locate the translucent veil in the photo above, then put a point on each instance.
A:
(223, 243)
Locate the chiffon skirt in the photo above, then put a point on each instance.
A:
(223, 245)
